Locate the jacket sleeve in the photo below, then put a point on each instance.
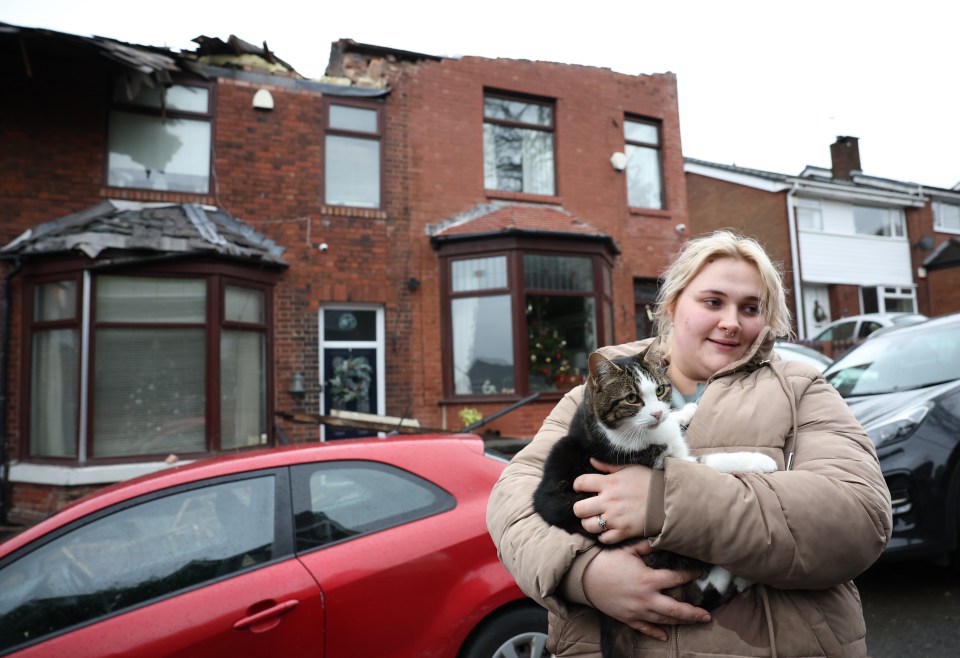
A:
(820, 524)
(537, 554)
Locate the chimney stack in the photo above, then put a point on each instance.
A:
(845, 155)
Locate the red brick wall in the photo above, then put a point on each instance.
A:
(443, 102)
(268, 172)
(944, 287)
(717, 204)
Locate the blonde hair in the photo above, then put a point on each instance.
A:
(726, 243)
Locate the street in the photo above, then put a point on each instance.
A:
(912, 610)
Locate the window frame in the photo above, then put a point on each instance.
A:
(378, 137)
(301, 476)
(551, 129)
(281, 547)
(129, 107)
(938, 223)
(894, 223)
(657, 125)
(514, 249)
(217, 276)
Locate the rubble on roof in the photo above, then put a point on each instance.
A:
(128, 230)
(235, 52)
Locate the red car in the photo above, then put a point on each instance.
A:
(348, 549)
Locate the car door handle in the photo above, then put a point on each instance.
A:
(265, 616)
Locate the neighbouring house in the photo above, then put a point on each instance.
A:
(849, 243)
(204, 252)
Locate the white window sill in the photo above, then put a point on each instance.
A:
(68, 476)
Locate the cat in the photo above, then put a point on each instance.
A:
(626, 418)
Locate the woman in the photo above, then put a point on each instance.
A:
(801, 534)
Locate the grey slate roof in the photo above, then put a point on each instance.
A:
(110, 229)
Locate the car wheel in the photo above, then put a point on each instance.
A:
(521, 632)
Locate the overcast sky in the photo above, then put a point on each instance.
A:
(762, 83)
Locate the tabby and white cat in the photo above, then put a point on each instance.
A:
(626, 418)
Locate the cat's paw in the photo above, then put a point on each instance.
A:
(685, 415)
(740, 462)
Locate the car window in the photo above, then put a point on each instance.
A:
(841, 331)
(141, 552)
(867, 327)
(340, 500)
(898, 361)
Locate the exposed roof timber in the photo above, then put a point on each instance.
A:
(154, 66)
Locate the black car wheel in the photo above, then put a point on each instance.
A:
(520, 632)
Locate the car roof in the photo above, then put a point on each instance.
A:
(399, 449)
(890, 315)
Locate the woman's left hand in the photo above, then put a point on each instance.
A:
(620, 500)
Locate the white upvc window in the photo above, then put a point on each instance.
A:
(946, 217)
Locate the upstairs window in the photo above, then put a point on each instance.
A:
(160, 139)
(352, 156)
(946, 217)
(809, 216)
(644, 173)
(874, 220)
(518, 149)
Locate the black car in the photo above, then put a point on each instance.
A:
(904, 387)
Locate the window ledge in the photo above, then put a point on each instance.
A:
(69, 476)
(651, 212)
(523, 196)
(353, 211)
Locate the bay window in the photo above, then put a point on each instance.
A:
(147, 364)
(523, 321)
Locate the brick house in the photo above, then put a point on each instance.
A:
(849, 243)
(202, 250)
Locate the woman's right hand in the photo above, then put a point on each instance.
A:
(620, 584)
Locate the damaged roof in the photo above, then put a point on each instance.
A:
(155, 66)
(130, 230)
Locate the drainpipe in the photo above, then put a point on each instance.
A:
(4, 384)
(795, 259)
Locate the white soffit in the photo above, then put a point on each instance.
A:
(736, 177)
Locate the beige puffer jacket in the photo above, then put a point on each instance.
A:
(802, 534)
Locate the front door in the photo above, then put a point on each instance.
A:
(351, 364)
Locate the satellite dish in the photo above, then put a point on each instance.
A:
(925, 243)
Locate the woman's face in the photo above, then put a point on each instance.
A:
(715, 320)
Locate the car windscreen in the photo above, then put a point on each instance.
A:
(899, 361)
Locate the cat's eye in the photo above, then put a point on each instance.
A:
(631, 398)
(661, 389)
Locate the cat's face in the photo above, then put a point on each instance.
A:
(628, 397)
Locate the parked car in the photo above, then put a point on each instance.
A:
(366, 547)
(904, 387)
(795, 352)
(858, 327)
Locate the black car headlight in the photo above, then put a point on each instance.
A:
(898, 426)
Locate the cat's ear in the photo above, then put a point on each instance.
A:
(650, 358)
(600, 366)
